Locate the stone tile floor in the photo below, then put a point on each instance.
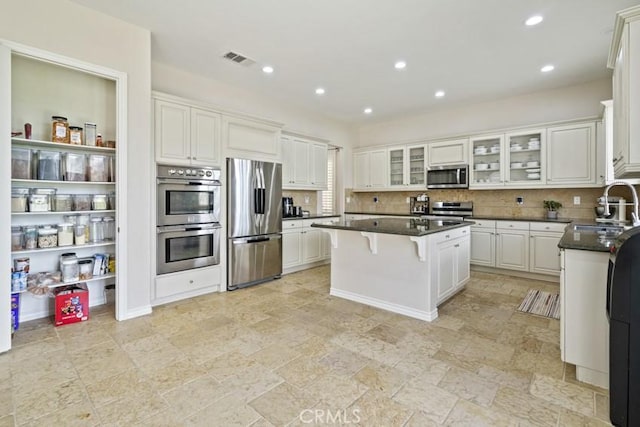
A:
(287, 353)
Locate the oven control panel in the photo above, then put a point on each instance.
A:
(181, 172)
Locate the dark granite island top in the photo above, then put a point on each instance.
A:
(594, 239)
(405, 227)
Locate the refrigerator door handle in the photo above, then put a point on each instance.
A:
(258, 204)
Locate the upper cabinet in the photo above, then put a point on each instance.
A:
(451, 152)
(576, 143)
(185, 135)
(626, 93)
(251, 138)
(304, 163)
(486, 167)
(370, 169)
(407, 166)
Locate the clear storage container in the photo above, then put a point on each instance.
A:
(69, 267)
(96, 230)
(75, 135)
(49, 165)
(30, 236)
(19, 199)
(112, 201)
(86, 268)
(82, 202)
(98, 168)
(90, 134)
(80, 234)
(75, 167)
(49, 192)
(17, 239)
(62, 202)
(84, 220)
(21, 163)
(99, 202)
(65, 234)
(39, 203)
(47, 237)
(109, 226)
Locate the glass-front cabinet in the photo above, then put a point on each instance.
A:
(524, 154)
(407, 166)
(512, 159)
(486, 166)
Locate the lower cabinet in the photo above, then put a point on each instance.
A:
(584, 327)
(452, 262)
(517, 245)
(303, 246)
(186, 284)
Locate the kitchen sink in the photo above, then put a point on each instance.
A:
(607, 230)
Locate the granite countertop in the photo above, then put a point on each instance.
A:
(407, 214)
(401, 226)
(312, 216)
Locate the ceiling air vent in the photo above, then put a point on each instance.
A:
(238, 58)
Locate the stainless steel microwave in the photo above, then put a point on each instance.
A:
(449, 176)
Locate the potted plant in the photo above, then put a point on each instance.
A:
(552, 208)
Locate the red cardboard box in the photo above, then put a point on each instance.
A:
(72, 304)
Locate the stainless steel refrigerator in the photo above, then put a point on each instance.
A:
(254, 222)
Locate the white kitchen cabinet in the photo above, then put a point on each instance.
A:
(512, 245)
(304, 246)
(186, 284)
(584, 327)
(544, 254)
(370, 169)
(524, 159)
(251, 138)
(407, 166)
(291, 243)
(304, 164)
(451, 250)
(575, 142)
(483, 243)
(450, 152)
(185, 135)
(486, 165)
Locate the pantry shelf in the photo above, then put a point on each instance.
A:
(93, 279)
(62, 248)
(60, 146)
(62, 212)
(42, 181)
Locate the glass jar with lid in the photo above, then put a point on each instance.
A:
(86, 268)
(109, 225)
(96, 230)
(47, 236)
(75, 135)
(65, 234)
(69, 267)
(30, 236)
(59, 129)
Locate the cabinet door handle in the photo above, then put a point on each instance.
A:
(456, 246)
(193, 158)
(446, 236)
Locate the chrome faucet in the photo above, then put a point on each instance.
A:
(634, 216)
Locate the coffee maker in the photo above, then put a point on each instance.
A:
(287, 207)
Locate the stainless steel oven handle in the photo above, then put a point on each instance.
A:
(216, 183)
(179, 228)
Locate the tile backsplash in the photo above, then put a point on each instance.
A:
(489, 202)
(301, 197)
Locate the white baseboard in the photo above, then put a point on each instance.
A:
(137, 312)
(516, 273)
(186, 295)
(395, 308)
(305, 266)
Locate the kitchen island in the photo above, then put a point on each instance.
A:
(407, 266)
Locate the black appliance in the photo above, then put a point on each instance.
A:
(287, 207)
(623, 311)
(450, 176)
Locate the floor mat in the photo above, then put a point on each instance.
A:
(541, 303)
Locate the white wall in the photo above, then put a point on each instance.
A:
(566, 103)
(65, 28)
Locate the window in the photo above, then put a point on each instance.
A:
(329, 195)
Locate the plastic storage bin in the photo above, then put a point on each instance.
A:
(17, 239)
(47, 237)
(75, 166)
(98, 168)
(99, 202)
(19, 199)
(82, 202)
(49, 165)
(39, 203)
(21, 163)
(65, 234)
(62, 202)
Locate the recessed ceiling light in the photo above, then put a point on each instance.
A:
(439, 94)
(547, 68)
(534, 20)
(368, 110)
(320, 91)
(400, 65)
(267, 69)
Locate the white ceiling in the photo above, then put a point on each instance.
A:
(475, 50)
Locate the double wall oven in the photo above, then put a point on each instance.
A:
(188, 218)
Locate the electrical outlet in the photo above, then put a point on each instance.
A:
(375, 199)
(348, 199)
(576, 200)
(519, 200)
